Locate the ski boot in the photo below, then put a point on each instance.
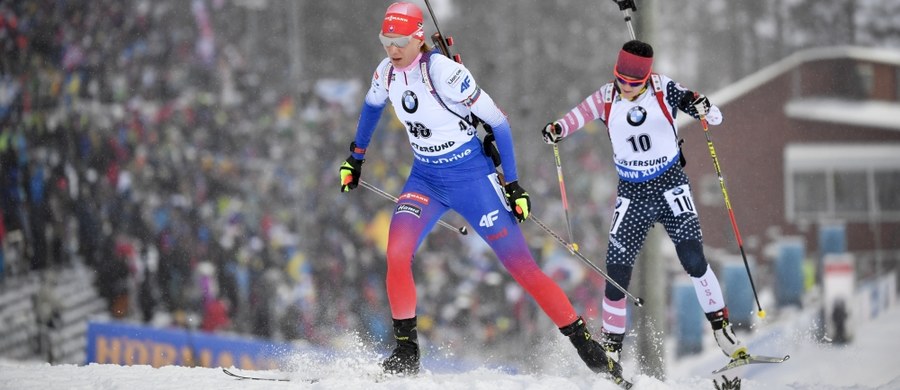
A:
(405, 358)
(612, 344)
(728, 342)
(591, 352)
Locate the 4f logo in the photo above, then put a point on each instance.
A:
(465, 85)
(487, 220)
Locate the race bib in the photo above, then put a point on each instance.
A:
(619, 213)
(501, 193)
(680, 200)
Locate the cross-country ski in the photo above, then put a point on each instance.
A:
(751, 359)
(285, 194)
(262, 378)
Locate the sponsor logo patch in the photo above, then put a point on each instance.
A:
(455, 78)
(637, 115)
(410, 102)
(408, 209)
(416, 197)
(498, 235)
(465, 84)
(392, 18)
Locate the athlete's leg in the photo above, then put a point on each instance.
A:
(679, 217)
(415, 214)
(631, 220)
(483, 204)
(683, 226)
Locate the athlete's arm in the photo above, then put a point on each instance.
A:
(590, 109)
(373, 106)
(455, 82)
(683, 98)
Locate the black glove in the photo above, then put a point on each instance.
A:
(350, 171)
(626, 4)
(518, 200)
(701, 104)
(552, 133)
(697, 101)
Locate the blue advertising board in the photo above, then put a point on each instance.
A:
(126, 344)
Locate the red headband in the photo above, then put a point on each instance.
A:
(632, 65)
(403, 19)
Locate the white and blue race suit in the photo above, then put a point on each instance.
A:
(450, 171)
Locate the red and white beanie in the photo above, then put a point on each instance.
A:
(404, 19)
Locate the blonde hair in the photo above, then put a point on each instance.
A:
(425, 48)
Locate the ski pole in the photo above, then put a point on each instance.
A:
(637, 301)
(384, 194)
(624, 6)
(734, 226)
(562, 191)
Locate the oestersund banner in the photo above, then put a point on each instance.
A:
(125, 344)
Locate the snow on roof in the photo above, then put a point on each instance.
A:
(822, 156)
(753, 81)
(870, 113)
(764, 75)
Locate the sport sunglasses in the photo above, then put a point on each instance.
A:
(630, 81)
(400, 42)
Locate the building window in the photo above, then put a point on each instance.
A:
(710, 191)
(850, 192)
(897, 83)
(853, 182)
(866, 73)
(887, 185)
(810, 193)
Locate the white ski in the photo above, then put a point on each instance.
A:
(752, 359)
(262, 378)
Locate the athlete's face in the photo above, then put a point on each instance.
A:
(401, 51)
(630, 87)
(629, 92)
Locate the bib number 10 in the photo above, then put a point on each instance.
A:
(640, 143)
(680, 200)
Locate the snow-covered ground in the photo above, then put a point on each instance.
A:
(870, 362)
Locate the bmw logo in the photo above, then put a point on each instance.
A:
(410, 102)
(637, 116)
(618, 202)
(678, 191)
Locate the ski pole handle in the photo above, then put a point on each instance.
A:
(624, 5)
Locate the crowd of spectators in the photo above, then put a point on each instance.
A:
(201, 187)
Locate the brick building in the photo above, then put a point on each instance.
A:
(810, 140)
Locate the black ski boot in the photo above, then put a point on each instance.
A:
(591, 351)
(405, 358)
(612, 344)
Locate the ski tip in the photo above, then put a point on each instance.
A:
(786, 357)
(622, 382)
